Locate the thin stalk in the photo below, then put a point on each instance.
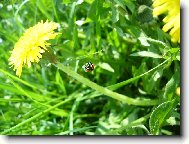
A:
(118, 85)
(105, 91)
(126, 82)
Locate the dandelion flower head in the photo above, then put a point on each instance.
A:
(31, 45)
(172, 20)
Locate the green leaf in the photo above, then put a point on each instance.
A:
(120, 3)
(171, 86)
(60, 82)
(106, 66)
(120, 32)
(146, 54)
(89, 1)
(178, 57)
(130, 5)
(92, 11)
(77, 130)
(115, 14)
(152, 82)
(159, 115)
(139, 70)
(95, 10)
(143, 41)
(79, 2)
(66, 1)
(174, 50)
(176, 53)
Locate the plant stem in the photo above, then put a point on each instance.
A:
(106, 91)
(123, 83)
(118, 85)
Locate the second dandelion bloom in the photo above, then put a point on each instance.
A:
(171, 8)
(32, 44)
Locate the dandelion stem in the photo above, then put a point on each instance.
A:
(106, 91)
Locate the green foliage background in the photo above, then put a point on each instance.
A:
(124, 42)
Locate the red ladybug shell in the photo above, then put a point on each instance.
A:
(88, 67)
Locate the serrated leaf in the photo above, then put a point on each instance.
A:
(159, 115)
(146, 54)
(106, 66)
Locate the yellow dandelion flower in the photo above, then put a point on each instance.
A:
(31, 45)
(172, 20)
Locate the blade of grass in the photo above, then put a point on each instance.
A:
(43, 9)
(35, 98)
(36, 116)
(11, 99)
(76, 130)
(74, 107)
(18, 79)
(54, 9)
(25, 83)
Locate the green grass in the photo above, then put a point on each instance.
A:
(132, 90)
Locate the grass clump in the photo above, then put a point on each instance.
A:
(133, 89)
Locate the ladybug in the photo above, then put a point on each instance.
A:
(88, 67)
